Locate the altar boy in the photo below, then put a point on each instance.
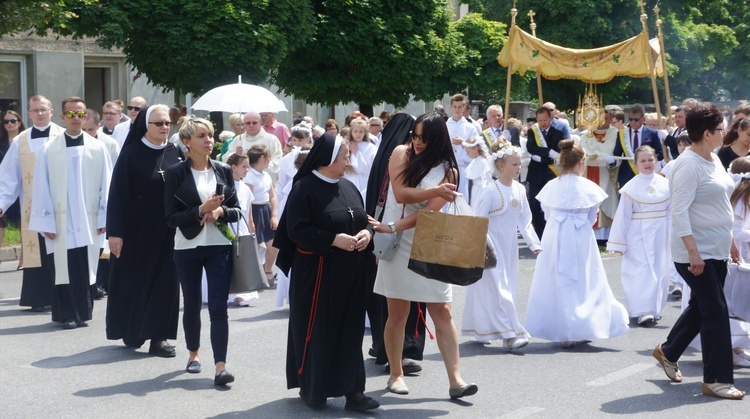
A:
(71, 184)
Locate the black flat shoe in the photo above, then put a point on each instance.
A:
(70, 325)
(409, 367)
(37, 309)
(162, 351)
(193, 367)
(362, 405)
(82, 324)
(224, 378)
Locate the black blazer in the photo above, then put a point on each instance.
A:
(539, 172)
(650, 137)
(181, 199)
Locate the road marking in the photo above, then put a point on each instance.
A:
(523, 412)
(619, 375)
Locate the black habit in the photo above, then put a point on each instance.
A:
(327, 284)
(143, 301)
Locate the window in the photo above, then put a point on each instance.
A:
(13, 84)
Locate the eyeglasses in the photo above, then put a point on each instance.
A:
(417, 137)
(161, 123)
(110, 113)
(634, 119)
(134, 108)
(74, 114)
(40, 111)
(10, 121)
(252, 122)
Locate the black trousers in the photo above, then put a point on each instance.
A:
(73, 301)
(217, 261)
(537, 215)
(706, 313)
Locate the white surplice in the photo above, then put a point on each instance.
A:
(72, 208)
(490, 309)
(570, 299)
(640, 230)
(597, 170)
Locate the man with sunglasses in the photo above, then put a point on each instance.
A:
(120, 133)
(71, 185)
(634, 135)
(254, 135)
(16, 177)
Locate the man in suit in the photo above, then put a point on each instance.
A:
(671, 140)
(633, 136)
(543, 147)
(495, 131)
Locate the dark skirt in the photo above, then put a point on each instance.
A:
(262, 220)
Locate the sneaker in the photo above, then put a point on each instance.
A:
(645, 320)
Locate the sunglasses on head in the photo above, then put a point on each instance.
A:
(134, 108)
(161, 123)
(252, 122)
(74, 114)
(10, 121)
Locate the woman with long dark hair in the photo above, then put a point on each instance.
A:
(12, 125)
(418, 168)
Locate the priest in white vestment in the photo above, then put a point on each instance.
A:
(599, 145)
(16, 182)
(254, 135)
(71, 185)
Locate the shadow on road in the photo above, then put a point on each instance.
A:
(672, 396)
(152, 385)
(97, 356)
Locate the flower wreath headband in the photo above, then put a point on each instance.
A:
(504, 151)
(303, 126)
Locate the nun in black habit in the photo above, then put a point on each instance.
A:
(397, 132)
(143, 302)
(324, 237)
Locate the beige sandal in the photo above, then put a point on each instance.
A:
(670, 368)
(722, 390)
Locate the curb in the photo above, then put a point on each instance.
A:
(10, 253)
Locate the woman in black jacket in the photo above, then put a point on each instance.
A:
(200, 200)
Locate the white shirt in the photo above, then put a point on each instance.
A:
(120, 133)
(700, 206)
(464, 129)
(261, 185)
(205, 183)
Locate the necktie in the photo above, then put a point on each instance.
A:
(635, 140)
(544, 133)
(498, 131)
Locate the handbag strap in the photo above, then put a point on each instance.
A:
(237, 230)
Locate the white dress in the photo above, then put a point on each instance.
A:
(361, 164)
(479, 174)
(640, 230)
(570, 299)
(490, 308)
(394, 279)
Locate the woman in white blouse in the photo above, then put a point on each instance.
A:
(701, 244)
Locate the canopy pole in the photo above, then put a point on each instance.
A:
(513, 13)
(652, 63)
(538, 75)
(663, 54)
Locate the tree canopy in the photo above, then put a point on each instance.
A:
(333, 51)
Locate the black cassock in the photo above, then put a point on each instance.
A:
(143, 301)
(331, 365)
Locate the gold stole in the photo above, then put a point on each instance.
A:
(489, 138)
(540, 142)
(29, 239)
(57, 162)
(627, 150)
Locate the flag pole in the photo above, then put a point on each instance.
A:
(538, 74)
(513, 13)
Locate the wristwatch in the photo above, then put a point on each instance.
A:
(392, 225)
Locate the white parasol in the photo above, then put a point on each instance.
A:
(241, 98)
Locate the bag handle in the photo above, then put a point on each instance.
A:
(237, 231)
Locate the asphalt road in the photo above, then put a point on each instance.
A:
(50, 372)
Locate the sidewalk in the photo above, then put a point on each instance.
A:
(10, 253)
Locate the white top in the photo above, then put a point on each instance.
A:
(261, 185)
(464, 129)
(245, 198)
(708, 219)
(741, 229)
(205, 183)
(120, 133)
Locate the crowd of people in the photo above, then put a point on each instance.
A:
(141, 205)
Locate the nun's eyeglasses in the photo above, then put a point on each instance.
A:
(161, 123)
